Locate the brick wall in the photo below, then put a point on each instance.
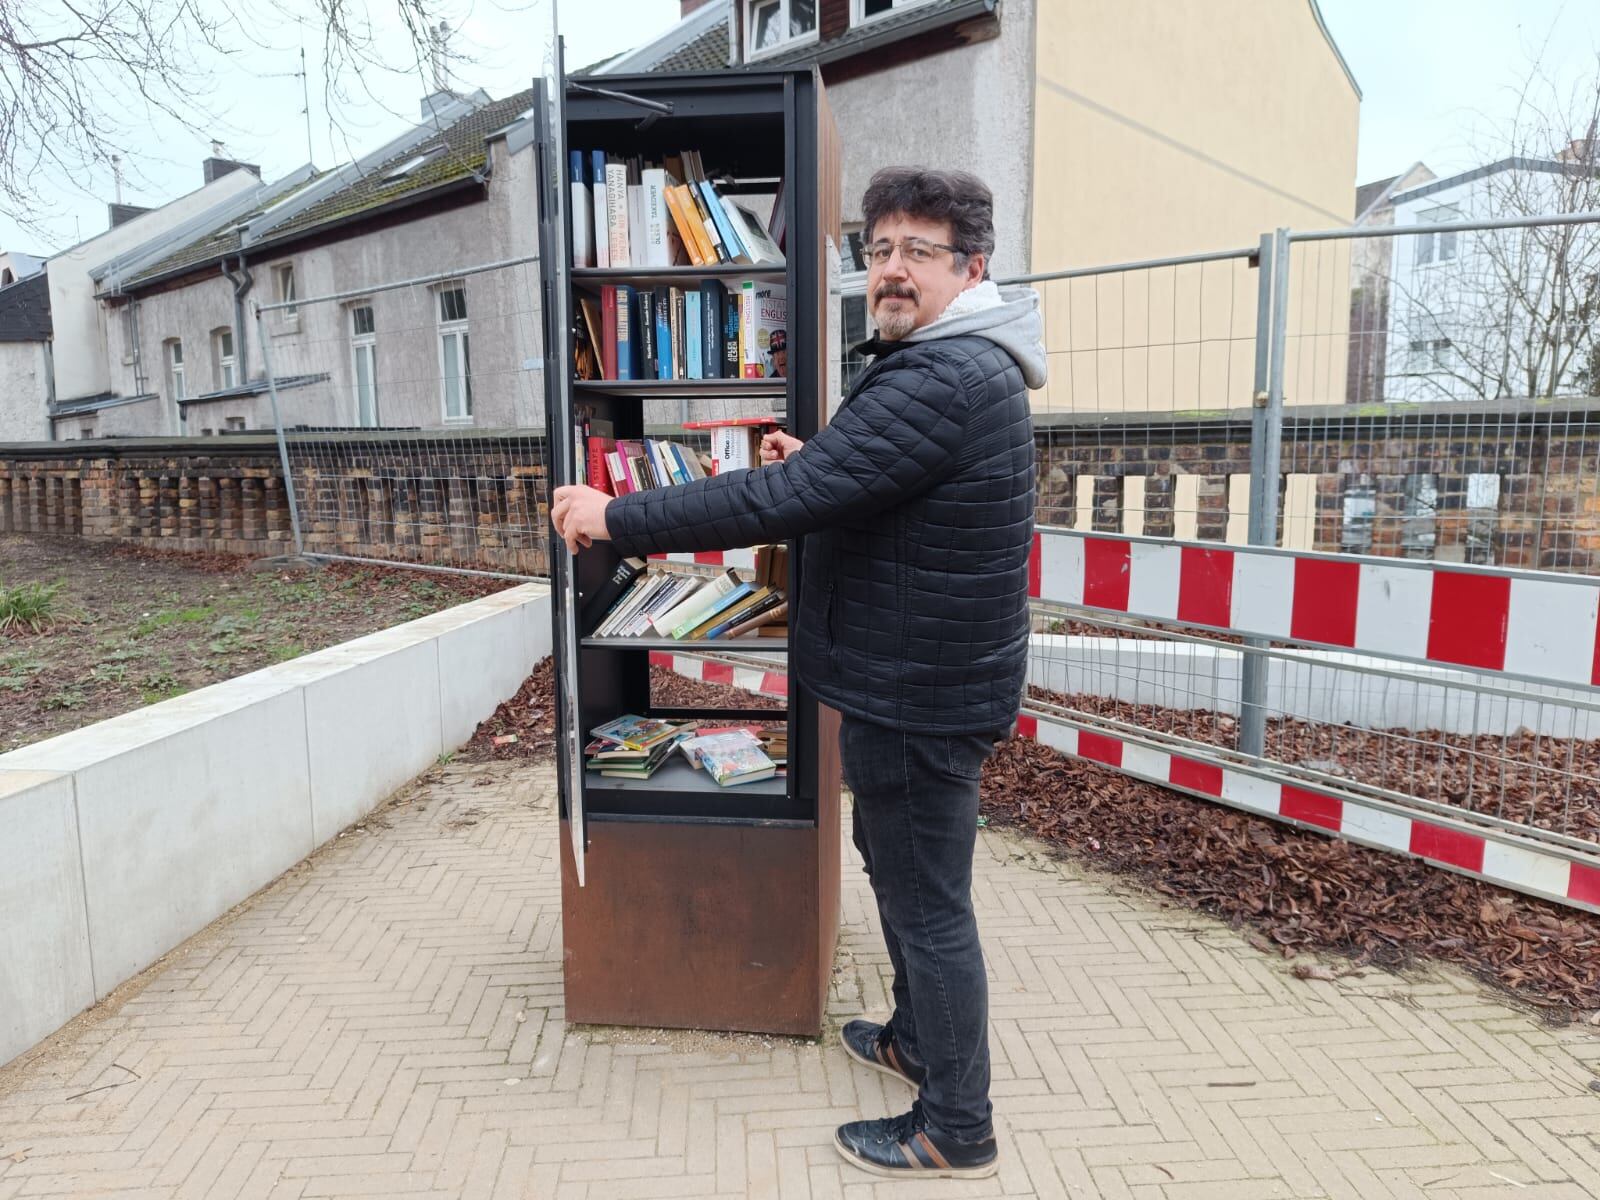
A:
(1512, 486)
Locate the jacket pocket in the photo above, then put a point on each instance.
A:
(830, 625)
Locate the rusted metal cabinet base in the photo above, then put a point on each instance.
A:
(702, 926)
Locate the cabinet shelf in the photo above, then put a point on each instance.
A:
(744, 644)
(680, 274)
(692, 388)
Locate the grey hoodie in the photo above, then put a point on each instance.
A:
(1010, 319)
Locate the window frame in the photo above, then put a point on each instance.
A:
(177, 380)
(288, 318)
(1435, 248)
(786, 43)
(227, 364)
(458, 328)
(858, 11)
(363, 341)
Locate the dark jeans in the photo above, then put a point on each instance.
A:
(915, 824)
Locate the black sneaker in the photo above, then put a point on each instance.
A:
(873, 1045)
(904, 1147)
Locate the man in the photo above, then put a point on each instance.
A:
(916, 504)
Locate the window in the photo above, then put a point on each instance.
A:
(222, 348)
(774, 25)
(235, 424)
(1418, 530)
(1425, 355)
(283, 290)
(364, 364)
(455, 361)
(1437, 247)
(1360, 508)
(175, 370)
(867, 10)
(411, 164)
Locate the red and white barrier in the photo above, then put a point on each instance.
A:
(1522, 864)
(1533, 625)
(742, 560)
(758, 679)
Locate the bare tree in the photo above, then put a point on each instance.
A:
(1509, 312)
(78, 78)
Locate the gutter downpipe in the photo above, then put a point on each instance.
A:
(242, 283)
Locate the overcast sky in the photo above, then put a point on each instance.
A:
(1435, 74)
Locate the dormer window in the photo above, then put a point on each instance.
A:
(862, 11)
(772, 26)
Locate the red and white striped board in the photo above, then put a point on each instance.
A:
(742, 560)
(1521, 864)
(1537, 626)
(761, 680)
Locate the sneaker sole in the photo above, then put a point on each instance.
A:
(877, 1066)
(979, 1172)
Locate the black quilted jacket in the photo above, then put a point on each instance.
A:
(916, 504)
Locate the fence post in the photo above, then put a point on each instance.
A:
(265, 343)
(1266, 457)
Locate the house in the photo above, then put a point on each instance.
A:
(453, 191)
(1371, 261)
(26, 363)
(1500, 313)
(1108, 130)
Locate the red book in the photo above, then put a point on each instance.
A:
(608, 319)
(599, 473)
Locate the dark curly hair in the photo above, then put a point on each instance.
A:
(957, 197)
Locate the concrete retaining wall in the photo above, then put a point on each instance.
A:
(121, 839)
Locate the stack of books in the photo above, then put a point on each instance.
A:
(636, 601)
(629, 212)
(618, 466)
(730, 756)
(632, 747)
(711, 331)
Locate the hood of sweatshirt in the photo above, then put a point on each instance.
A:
(1009, 318)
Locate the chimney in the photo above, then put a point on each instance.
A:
(688, 6)
(121, 213)
(215, 168)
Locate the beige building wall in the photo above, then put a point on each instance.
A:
(1167, 129)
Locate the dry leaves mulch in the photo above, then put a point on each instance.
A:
(1295, 892)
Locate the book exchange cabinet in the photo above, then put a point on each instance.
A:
(688, 904)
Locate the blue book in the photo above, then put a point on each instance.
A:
(693, 341)
(733, 597)
(681, 462)
(663, 335)
(627, 340)
(575, 165)
(713, 297)
(736, 248)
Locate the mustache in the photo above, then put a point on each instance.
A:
(890, 291)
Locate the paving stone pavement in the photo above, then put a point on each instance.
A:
(386, 1020)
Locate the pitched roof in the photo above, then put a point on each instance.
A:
(1541, 165)
(25, 310)
(708, 52)
(1368, 192)
(456, 152)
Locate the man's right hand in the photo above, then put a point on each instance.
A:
(777, 447)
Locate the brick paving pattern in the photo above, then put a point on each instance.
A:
(386, 1020)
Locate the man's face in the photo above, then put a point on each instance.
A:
(905, 296)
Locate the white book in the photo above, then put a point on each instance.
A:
(698, 603)
(657, 221)
(582, 225)
(635, 224)
(663, 600)
(763, 250)
(642, 589)
(617, 212)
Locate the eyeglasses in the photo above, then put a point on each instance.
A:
(914, 251)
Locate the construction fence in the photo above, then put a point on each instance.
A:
(1374, 431)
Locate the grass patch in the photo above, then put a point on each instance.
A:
(173, 616)
(16, 670)
(30, 606)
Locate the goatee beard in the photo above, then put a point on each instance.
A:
(895, 323)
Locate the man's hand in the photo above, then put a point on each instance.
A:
(579, 514)
(777, 447)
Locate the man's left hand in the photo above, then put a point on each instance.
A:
(579, 514)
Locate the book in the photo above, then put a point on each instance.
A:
(664, 333)
(599, 602)
(608, 345)
(625, 605)
(777, 223)
(764, 319)
(627, 347)
(695, 606)
(657, 221)
(734, 758)
(598, 476)
(731, 368)
(691, 632)
(712, 298)
(690, 746)
(693, 336)
(582, 211)
(644, 314)
(762, 250)
(719, 218)
(617, 212)
(635, 219)
(694, 222)
(762, 620)
(739, 612)
(682, 223)
(677, 318)
(735, 448)
(597, 185)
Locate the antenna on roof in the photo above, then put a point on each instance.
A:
(438, 55)
(116, 175)
(305, 100)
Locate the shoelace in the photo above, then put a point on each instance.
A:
(902, 1128)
